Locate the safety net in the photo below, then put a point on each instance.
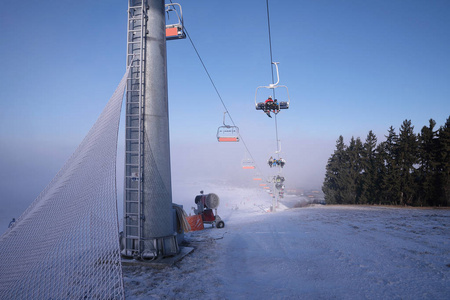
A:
(65, 245)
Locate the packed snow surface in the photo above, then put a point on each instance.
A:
(310, 252)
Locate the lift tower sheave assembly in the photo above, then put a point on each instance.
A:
(148, 213)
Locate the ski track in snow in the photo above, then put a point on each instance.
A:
(315, 252)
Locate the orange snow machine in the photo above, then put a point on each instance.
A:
(206, 203)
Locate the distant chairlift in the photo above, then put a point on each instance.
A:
(248, 164)
(175, 31)
(281, 104)
(227, 133)
(257, 177)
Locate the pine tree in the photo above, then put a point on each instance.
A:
(333, 175)
(407, 158)
(391, 194)
(351, 175)
(406, 169)
(368, 184)
(427, 173)
(334, 172)
(443, 161)
(381, 174)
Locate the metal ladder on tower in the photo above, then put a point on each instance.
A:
(134, 129)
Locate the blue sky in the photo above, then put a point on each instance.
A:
(350, 66)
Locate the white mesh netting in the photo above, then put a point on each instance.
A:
(65, 245)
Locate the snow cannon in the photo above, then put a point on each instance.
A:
(206, 203)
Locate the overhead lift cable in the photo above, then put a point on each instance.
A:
(279, 179)
(271, 66)
(220, 97)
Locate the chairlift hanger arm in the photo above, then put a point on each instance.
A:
(224, 113)
(278, 75)
(172, 7)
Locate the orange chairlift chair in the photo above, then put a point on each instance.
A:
(175, 31)
(248, 164)
(227, 133)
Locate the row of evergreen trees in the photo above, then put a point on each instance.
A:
(406, 169)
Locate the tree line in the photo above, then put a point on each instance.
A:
(405, 169)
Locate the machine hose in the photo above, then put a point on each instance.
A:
(181, 216)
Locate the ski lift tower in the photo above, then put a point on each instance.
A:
(148, 214)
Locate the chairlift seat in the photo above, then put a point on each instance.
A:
(174, 32)
(273, 86)
(248, 167)
(284, 105)
(248, 164)
(281, 105)
(260, 106)
(228, 139)
(228, 134)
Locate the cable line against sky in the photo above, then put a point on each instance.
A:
(272, 86)
(271, 66)
(220, 98)
(278, 181)
(270, 41)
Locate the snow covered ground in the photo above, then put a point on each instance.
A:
(314, 252)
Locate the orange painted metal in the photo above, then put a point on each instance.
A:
(196, 222)
(171, 31)
(228, 139)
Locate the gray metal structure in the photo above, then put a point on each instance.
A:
(148, 214)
